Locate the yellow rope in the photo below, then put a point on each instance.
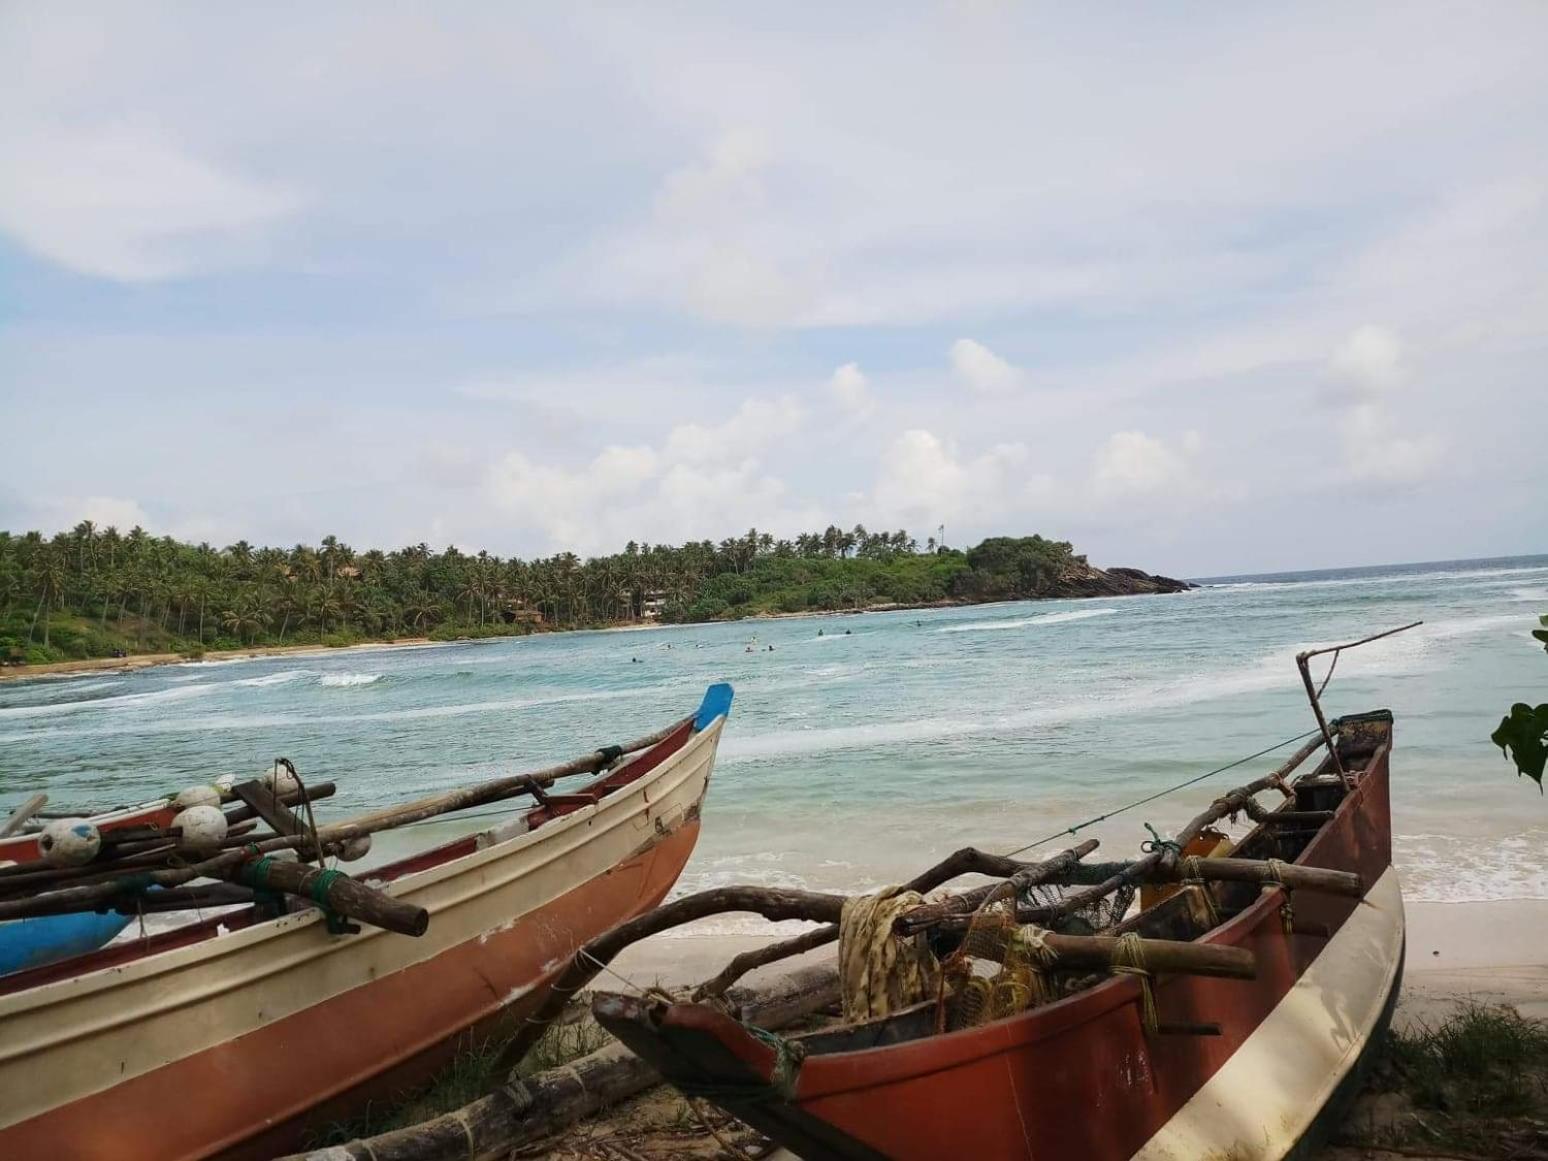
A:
(1129, 960)
(1286, 906)
(1193, 876)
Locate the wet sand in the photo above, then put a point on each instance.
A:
(146, 660)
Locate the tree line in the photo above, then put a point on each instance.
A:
(96, 591)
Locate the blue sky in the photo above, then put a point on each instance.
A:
(1202, 288)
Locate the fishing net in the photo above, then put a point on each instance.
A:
(878, 973)
(1051, 905)
(1003, 965)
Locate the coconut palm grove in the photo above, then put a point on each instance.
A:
(99, 592)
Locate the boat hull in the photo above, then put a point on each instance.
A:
(1080, 1077)
(29, 943)
(266, 1031)
(24, 848)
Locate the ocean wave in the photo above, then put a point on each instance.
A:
(348, 680)
(1384, 579)
(284, 678)
(1023, 622)
(176, 693)
(1405, 653)
(1448, 868)
(230, 722)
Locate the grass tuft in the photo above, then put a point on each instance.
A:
(472, 1073)
(1482, 1061)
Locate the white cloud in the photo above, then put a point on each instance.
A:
(1132, 464)
(723, 186)
(981, 369)
(1370, 361)
(923, 481)
(1370, 364)
(1377, 455)
(61, 513)
(852, 390)
(756, 424)
(706, 477)
(125, 202)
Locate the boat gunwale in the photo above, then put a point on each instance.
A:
(215, 946)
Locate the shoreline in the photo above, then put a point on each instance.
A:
(150, 660)
(74, 667)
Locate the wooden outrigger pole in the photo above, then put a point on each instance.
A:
(1314, 694)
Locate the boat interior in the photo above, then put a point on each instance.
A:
(548, 808)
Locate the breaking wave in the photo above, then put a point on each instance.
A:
(1022, 623)
(273, 678)
(346, 680)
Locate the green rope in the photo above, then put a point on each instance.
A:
(1156, 843)
(255, 873)
(321, 884)
(337, 924)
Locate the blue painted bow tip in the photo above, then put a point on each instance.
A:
(716, 704)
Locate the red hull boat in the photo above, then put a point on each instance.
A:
(1227, 1068)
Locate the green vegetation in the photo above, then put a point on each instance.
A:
(472, 1073)
(94, 592)
(1522, 735)
(1475, 1085)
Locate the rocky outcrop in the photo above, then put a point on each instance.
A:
(1084, 580)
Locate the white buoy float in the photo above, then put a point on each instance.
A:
(69, 842)
(355, 848)
(203, 826)
(196, 796)
(282, 781)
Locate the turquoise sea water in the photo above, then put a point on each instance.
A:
(859, 755)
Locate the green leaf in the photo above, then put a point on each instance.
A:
(1523, 738)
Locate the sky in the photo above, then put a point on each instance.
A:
(1202, 288)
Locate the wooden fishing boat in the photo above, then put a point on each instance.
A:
(23, 848)
(232, 1035)
(1166, 1067)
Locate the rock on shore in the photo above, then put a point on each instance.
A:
(1084, 580)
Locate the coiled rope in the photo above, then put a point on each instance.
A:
(1287, 905)
(1129, 960)
(1193, 876)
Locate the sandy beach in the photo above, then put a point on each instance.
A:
(147, 660)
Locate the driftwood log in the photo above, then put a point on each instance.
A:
(521, 1112)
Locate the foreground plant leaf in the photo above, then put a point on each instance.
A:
(1523, 737)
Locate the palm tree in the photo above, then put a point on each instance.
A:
(421, 609)
(247, 619)
(48, 581)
